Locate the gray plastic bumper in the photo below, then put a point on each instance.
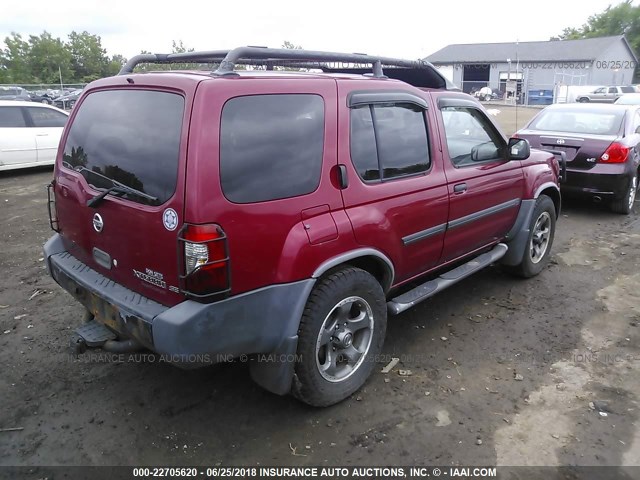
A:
(260, 321)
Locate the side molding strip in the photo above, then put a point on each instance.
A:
(421, 235)
(483, 213)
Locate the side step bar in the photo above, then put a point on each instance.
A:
(422, 292)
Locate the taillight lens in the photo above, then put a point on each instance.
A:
(206, 261)
(616, 153)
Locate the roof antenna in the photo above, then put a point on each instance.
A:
(521, 84)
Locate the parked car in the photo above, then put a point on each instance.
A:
(283, 215)
(41, 97)
(605, 94)
(601, 147)
(628, 99)
(68, 100)
(486, 94)
(14, 93)
(29, 134)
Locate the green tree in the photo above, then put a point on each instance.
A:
(114, 65)
(47, 57)
(89, 60)
(14, 60)
(622, 19)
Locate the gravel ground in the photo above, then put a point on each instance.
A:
(503, 371)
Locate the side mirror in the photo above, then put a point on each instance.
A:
(519, 149)
(484, 151)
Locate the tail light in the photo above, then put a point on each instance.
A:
(205, 262)
(616, 153)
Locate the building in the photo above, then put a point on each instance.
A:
(536, 69)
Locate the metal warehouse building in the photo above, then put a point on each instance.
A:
(535, 69)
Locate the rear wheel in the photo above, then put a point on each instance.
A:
(625, 204)
(541, 232)
(341, 332)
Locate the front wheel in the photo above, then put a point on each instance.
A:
(541, 232)
(583, 100)
(341, 333)
(625, 204)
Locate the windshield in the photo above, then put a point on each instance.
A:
(131, 137)
(631, 99)
(605, 122)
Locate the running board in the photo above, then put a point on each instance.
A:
(412, 297)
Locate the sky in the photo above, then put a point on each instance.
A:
(406, 29)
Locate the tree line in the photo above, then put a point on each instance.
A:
(81, 58)
(42, 59)
(621, 19)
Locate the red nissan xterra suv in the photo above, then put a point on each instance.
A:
(284, 214)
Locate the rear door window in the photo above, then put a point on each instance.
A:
(46, 117)
(389, 141)
(271, 146)
(11, 117)
(131, 137)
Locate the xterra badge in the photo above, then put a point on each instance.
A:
(170, 219)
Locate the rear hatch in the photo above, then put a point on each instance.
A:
(582, 152)
(584, 134)
(129, 146)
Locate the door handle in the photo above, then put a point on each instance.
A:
(460, 188)
(343, 179)
(42, 134)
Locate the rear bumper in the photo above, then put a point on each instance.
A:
(261, 321)
(606, 181)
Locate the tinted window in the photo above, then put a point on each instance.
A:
(364, 153)
(9, 92)
(402, 142)
(402, 139)
(627, 89)
(470, 137)
(271, 146)
(613, 90)
(46, 117)
(596, 122)
(11, 117)
(130, 136)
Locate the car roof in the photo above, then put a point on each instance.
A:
(22, 103)
(592, 107)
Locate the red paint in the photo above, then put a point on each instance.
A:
(287, 240)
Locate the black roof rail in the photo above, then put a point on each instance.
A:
(213, 56)
(415, 72)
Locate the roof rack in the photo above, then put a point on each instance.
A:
(415, 72)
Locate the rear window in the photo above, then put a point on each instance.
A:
(627, 89)
(131, 137)
(605, 122)
(271, 146)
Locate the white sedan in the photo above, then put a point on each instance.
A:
(29, 134)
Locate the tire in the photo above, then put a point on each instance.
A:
(625, 204)
(333, 360)
(583, 100)
(536, 254)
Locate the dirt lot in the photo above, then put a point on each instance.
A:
(503, 370)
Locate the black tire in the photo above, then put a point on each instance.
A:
(532, 264)
(583, 100)
(624, 206)
(323, 309)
